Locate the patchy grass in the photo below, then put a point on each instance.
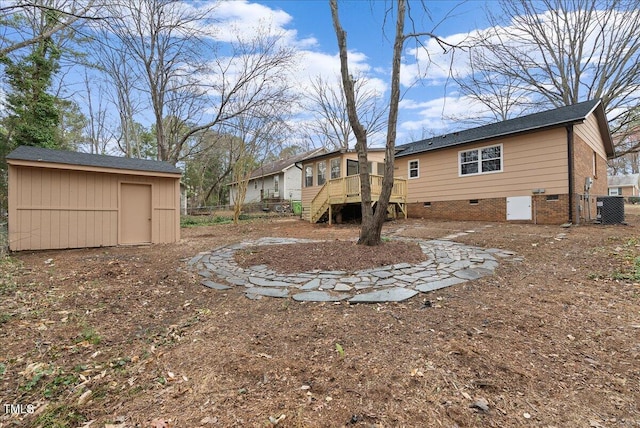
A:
(194, 221)
(62, 416)
(624, 257)
(9, 267)
(629, 256)
(89, 335)
(225, 217)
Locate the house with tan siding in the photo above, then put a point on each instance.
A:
(545, 168)
(331, 185)
(624, 185)
(63, 199)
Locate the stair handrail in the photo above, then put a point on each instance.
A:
(318, 201)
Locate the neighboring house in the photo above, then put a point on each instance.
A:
(331, 184)
(279, 180)
(62, 199)
(183, 198)
(546, 167)
(624, 185)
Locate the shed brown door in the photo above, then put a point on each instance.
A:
(135, 213)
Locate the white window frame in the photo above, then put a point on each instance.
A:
(614, 191)
(416, 169)
(479, 160)
(332, 167)
(306, 169)
(321, 172)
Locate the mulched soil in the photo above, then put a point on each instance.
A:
(552, 340)
(337, 255)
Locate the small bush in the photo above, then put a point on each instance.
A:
(4, 238)
(634, 200)
(194, 221)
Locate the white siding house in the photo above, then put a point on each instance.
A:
(279, 180)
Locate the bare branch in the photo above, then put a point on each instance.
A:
(72, 16)
(559, 52)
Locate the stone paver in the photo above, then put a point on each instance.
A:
(396, 294)
(214, 285)
(449, 263)
(319, 296)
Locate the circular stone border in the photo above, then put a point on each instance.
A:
(448, 263)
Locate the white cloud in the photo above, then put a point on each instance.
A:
(433, 62)
(440, 115)
(241, 20)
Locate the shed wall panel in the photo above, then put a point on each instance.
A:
(57, 208)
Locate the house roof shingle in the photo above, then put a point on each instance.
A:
(282, 164)
(39, 154)
(537, 121)
(623, 180)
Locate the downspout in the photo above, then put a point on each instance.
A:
(570, 169)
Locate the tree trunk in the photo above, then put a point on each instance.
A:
(375, 233)
(372, 222)
(367, 227)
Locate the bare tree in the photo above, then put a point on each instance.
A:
(167, 39)
(67, 14)
(561, 52)
(97, 132)
(629, 163)
(328, 106)
(122, 92)
(371, 229)
(498, 93)
(257, 133)
(372, 221)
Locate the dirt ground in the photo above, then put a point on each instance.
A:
(127, 337)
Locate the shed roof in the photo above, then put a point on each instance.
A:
(623, 180)
(39, 154)
(561, 116)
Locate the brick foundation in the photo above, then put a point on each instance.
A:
(546, 210)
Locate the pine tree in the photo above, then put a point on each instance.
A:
(33, 116)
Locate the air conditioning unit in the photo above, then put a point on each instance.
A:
(610, 209)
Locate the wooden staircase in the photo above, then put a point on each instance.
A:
(320, 204)
(340, 191)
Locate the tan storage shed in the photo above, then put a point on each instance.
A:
(62, 199)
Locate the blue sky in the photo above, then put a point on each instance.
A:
(425, 100)
(307, 25)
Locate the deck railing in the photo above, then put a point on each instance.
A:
(347, 190)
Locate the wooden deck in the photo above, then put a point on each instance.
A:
(342, 191)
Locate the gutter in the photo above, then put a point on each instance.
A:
(570, 168)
